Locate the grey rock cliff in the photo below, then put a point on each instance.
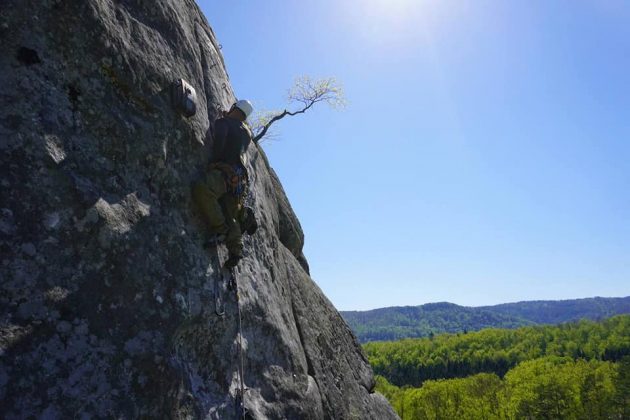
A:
(106, 294)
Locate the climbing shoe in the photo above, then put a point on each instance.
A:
(232, 261)
(248, 221)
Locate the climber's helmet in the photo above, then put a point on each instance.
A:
(244, 106)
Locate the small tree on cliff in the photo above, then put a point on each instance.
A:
(305, 93)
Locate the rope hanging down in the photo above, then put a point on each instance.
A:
(229, 275)
(240, 400)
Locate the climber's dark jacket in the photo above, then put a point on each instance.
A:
(231, 140)
(220, 192)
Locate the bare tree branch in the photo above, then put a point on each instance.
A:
(306, 92)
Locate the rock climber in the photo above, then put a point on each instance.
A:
(222, 189)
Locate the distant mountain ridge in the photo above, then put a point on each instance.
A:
(394, 323)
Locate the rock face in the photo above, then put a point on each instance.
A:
(107, 296)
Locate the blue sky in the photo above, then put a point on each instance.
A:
(483, 157)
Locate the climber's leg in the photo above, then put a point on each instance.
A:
(206, 194)
(247, 220)
(234, 237)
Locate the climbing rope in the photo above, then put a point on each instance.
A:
(220, 311)
(240, 394)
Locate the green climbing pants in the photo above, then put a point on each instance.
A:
(219, 209)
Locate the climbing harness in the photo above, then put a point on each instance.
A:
(235, 177)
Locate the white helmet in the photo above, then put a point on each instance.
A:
(245, 106)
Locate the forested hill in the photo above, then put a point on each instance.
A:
(412, 361)
(576, 370)
(436, 318)
(559, 311)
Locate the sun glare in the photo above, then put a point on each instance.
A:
(390, 10)
(385, 22)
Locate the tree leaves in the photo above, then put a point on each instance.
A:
(305, 93)
(573, 371)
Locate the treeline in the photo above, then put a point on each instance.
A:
(395, 323)
(546, 388)
(425, 320)
(413, 361)
(559, 311)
